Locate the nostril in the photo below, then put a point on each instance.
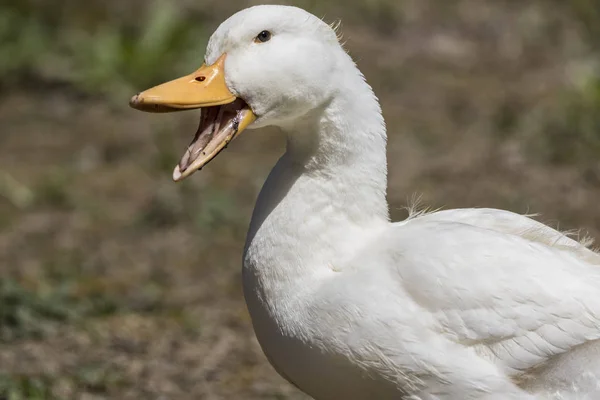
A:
(200, 78)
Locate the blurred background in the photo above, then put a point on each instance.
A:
(116, 282)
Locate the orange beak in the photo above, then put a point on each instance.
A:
(204, 88)
(224, 118)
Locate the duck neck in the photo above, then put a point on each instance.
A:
(325, 193)
(341, 150)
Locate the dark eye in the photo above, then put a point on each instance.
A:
(262, 37)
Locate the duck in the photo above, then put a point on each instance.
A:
(473, 303)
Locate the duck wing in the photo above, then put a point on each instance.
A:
(515, 290)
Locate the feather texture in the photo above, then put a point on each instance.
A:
(457, 304)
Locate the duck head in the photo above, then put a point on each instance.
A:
(265, 65)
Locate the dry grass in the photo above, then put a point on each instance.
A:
(117, 283)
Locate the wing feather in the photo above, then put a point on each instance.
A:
(518, 298)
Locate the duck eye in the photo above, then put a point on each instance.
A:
(262, 37)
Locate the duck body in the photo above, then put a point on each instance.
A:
(432, 326)
(457, 304)
(296, 330)
(451, 305)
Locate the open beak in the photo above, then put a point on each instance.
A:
(224, 116)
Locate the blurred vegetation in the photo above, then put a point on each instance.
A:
(570, 130)
(31, 313)
(96, 244)
(571, 134)
(97, 53)
(25, 388)
(90, 378)
(99, 58)
(588, 14)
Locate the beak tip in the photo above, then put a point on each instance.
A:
(177, 175)
(135, 101)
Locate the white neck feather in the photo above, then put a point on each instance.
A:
(344, 143)
(324, 191)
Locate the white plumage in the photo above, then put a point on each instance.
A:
(459, 304)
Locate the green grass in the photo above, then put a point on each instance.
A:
(91, 378)
(569, 132)
(17, 387)
(31, 313)
(109, 59)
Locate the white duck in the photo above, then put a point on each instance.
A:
(459, 304)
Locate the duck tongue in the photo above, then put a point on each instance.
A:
(218, 126)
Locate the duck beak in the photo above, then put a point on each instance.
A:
(224, 116)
